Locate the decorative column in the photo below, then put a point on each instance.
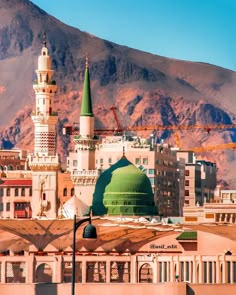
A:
(57, 269)
(213, 271)
(218, 275)
(207, 272)
(84, 271)
(108, 271)
(190, 271)
(194, 271)
(133, 270)
(231, 272)
(3, 271)
(155, 269)
(172, 275)
(162, 272)
(223, 271)
(200, 271)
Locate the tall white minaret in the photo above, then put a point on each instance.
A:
(84, 173)
(44, 162)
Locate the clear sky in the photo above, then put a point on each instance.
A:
(194, 30)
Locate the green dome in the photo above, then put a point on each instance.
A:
(123, 189)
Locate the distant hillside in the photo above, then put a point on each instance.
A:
(147, 89)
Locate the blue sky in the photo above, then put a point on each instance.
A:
(194, 30)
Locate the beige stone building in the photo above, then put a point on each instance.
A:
(200, 179)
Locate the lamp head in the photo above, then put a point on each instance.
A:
(90, 232)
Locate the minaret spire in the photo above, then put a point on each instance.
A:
(86, 107)
(86, 60)
(44, 39)
(86, 112)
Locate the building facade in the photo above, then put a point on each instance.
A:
(200, 179)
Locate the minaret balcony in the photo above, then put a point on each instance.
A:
(45, 119)
(84, 173)
(43, 159)
(45, 87)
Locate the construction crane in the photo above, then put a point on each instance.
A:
(175, 128)
(229, 145)
(119, 128)
(207, 128)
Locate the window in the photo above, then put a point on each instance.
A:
(8, 206)
(16, 192)
(64, 192)
(151, 171)
(23, 192)
(74, 163)
(30, 191)
(8, 192)
(110, 160)
(72, 192)
(137, 161)
(1, 192)
(187, 193)
(1, 207)
(44, 197)
(187, 182)
(120, 272)
(145, 161)
(101, 161)
(96, 272)
(187, 173)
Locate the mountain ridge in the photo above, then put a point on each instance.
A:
(149, 89)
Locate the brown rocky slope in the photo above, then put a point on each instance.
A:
(146, 88)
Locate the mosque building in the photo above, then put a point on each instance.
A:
(135, 251)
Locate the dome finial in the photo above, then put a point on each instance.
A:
(44, 39)
(86, 60)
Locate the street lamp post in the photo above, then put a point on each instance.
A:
(89, 233)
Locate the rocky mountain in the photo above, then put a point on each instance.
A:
(147, 89)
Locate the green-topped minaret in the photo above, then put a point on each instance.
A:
(86, 106)
(85, 174)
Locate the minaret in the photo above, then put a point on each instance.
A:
(84, 173)
(44, 162)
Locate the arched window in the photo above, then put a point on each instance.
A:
(16, 192)
(145, 273)
(23, 192)
(65, 192)
(72, 192)
(8, 192)
(43, 274)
